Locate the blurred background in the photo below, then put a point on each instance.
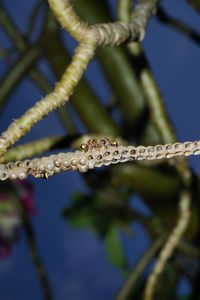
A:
(80, 236)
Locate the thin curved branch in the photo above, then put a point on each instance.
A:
(124, 15)
(31, 149)
(68, 19)
(83, 55)
(16, 72)
(58, 97)
(124, 8)
(11, 30)
(156, 104)
(164, 18)
(108, 34)
(114, 34)
(137, 271)
(148, 83)
(157, 107)
(171, 244)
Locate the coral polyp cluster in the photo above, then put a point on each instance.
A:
(94, 153)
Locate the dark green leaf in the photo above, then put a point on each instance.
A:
(115, 249)
(79, 214)
(80, 220)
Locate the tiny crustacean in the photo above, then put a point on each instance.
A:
(98, 144)
(41, 174)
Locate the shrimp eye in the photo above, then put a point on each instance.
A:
(114, 144)
(83, 147)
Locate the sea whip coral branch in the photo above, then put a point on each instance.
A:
(114, 34)
(58, 97)
(67, 17)
(79, 160)
(101, 35)
(172, 242)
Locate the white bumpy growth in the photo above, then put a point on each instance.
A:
(95, 156)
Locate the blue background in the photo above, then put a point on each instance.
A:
(76, 262)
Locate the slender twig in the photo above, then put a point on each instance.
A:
(160, 119)
(188, 250)
(108, 34)
(31, 149)
(66, 120)
(21, 45)
(16, 72)
(164, 18)
(114, 61)
(102, 35)
(89, 108)
(35, 74)
(149, 85)
(124, 8)
(156, 105)
(11, 30)
(137, 271)
(170, 245)
(183, 268)
(33, 18)
(53, 100)
(68, 19)
(124, 15)
(114, 34)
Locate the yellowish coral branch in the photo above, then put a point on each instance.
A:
(58, 97)
(171, 244)
(67, 17)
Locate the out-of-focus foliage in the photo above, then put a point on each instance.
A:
(195, 4)
(16, 202)
(88, 211)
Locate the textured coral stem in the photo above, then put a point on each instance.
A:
(94, 157)
(170, 245)
(58, 97)
(113, 34)
(67, 17)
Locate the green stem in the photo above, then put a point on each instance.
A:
(149, 182)
(148, 83)
(136, 273)
(64, 88)
(31, 149)
(164, 18)
(16, 72)
(33, 18)
(124, 10)
(115, 64)
(36, 75)
(124, 15)
(66, 120)
(157, 108)
(11, 30)
(87, 105)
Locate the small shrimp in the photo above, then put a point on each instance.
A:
(41, 174)
(98, 144)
